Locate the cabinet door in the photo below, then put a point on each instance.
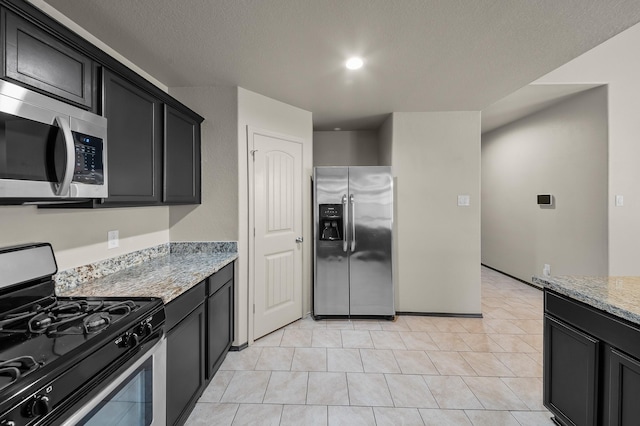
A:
(624, 409)
(181, 158)
(220, 327)
(185, 365)
(40, 60)
(134, 150)
(570, 373)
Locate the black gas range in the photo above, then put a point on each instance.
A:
(71, 360)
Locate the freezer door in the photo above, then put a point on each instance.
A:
(331, 265)
(371, 213)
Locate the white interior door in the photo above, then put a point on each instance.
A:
(277, 220)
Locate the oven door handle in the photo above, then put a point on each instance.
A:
(62, 188)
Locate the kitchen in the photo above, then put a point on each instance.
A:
(221, 217)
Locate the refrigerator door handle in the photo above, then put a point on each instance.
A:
(345, 209)
(353, 223)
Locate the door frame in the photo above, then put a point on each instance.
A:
(251, 131)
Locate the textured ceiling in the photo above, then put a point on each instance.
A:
(421, 55)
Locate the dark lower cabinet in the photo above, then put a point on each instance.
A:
(199, 328)
(219, 318)
(185, 365)
(570, 373)
(624, 409)
(591, 364)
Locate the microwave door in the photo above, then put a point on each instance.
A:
(34, 156)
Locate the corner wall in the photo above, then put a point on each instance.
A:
(617, 64)
(561, 150)
(345, 148)
(435, 158)
(216, 219)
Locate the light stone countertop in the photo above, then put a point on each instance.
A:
(619, 296)
(166, 277)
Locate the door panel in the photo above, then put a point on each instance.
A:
(570, 373)
(277, 217)
(331, 281)
(371, 216)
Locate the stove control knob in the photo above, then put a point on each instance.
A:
(145, 329)
(132, 340)
(38, 406)
(7, 423)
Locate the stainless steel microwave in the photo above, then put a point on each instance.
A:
(49, 150)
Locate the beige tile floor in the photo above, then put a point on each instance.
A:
(413, 371)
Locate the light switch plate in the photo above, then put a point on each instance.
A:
(619, 201)
(113, 239)
(463, 200)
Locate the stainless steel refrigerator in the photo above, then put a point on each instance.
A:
(353, 222)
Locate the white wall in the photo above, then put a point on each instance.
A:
(435, 158)
(79, 237)
(345, 148)
(268, 114)
(561, 150)
(216, 219)
(617, 64)
(385, 142)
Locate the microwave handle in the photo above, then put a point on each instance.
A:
(62, 188)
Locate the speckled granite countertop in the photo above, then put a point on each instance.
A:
(619, 296)
(166, 276)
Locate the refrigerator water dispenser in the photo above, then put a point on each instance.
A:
(330, 222)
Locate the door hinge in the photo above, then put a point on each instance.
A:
(254, 308)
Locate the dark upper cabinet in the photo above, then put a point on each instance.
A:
(181, 158)
(134, 142)
(36, 58)
(153, 141)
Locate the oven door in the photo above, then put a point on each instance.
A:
(135, 398)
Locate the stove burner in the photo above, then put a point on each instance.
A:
(96, 322)
(65, 318)
(122, 308)
(12, 369)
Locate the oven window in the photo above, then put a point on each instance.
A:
(30, 150)
(129, 404)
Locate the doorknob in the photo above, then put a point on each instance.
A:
(299, 240)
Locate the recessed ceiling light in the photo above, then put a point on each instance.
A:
(337, 128)
(354, 63)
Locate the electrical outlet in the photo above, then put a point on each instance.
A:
(113, 240)
(619, 201)
(546, 271)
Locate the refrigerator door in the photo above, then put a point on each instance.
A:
(331, 263)
(371, 222)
